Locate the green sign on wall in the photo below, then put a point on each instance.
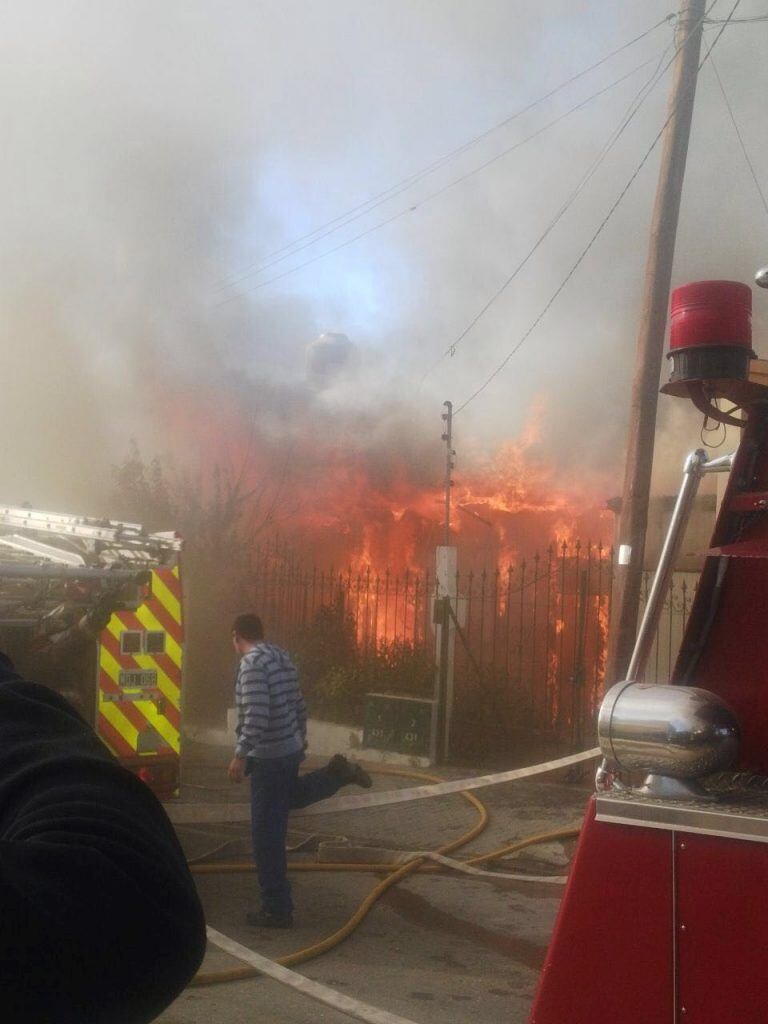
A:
(401, 725)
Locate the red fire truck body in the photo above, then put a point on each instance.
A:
(663, 917)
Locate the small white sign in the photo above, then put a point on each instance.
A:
(625, 553)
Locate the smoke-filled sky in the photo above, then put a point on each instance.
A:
(156, 152)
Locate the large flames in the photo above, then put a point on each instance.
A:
(347, 519)
(503, 509)
(340, 502)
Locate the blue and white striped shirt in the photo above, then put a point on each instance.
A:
(271, 714)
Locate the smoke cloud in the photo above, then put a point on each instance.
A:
(155, 153)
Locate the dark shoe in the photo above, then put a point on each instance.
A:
(262, 919)
(349, 773)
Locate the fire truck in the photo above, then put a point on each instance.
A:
(92, 608)
(663, 917)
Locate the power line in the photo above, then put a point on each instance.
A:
(597, 233)
(329, 227)
(739, 137)
(451, 184)
(736, 21)
(629, 114)
(626, 119)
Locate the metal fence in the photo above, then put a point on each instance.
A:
(672, 623)
(533, 637)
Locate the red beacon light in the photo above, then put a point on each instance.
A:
(711, 331)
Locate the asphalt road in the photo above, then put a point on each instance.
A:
(435, 948)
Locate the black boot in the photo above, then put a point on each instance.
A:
(349, 773)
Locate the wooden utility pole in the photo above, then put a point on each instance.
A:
(449, 464)
(650, 342)
(445, 579)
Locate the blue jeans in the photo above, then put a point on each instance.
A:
(276, 788)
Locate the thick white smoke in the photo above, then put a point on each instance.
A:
(154, 151)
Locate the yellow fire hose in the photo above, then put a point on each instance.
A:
(417, 864)
(377, 868)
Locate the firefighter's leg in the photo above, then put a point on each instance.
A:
(324, 782)
(271, 783)
(313, 786)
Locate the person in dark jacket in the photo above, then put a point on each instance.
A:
(100, 922)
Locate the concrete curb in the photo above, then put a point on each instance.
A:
(325, 739)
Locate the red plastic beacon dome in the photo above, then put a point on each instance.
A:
(711, 331)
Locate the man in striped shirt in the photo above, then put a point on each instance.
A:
(271, 738)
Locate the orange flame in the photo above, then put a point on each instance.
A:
(368, 509)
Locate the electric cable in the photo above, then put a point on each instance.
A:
(736, 128)
(580, 259)
(438, 192)
(369, 204)
(625, 121)
(736, 21)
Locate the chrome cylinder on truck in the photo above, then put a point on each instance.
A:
(680, 732)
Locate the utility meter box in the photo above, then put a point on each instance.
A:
(401, 725)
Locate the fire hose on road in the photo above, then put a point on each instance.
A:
(328, 943)
(437, 860)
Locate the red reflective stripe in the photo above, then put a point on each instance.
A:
(169, 713)
(133, 713)
(166, 620)
(171, 581)
(127, 709)
(110, 686)
(117, 743)
(112, 644)
(168, 666)
(173, 716)
(129, 620)
(165, 662)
